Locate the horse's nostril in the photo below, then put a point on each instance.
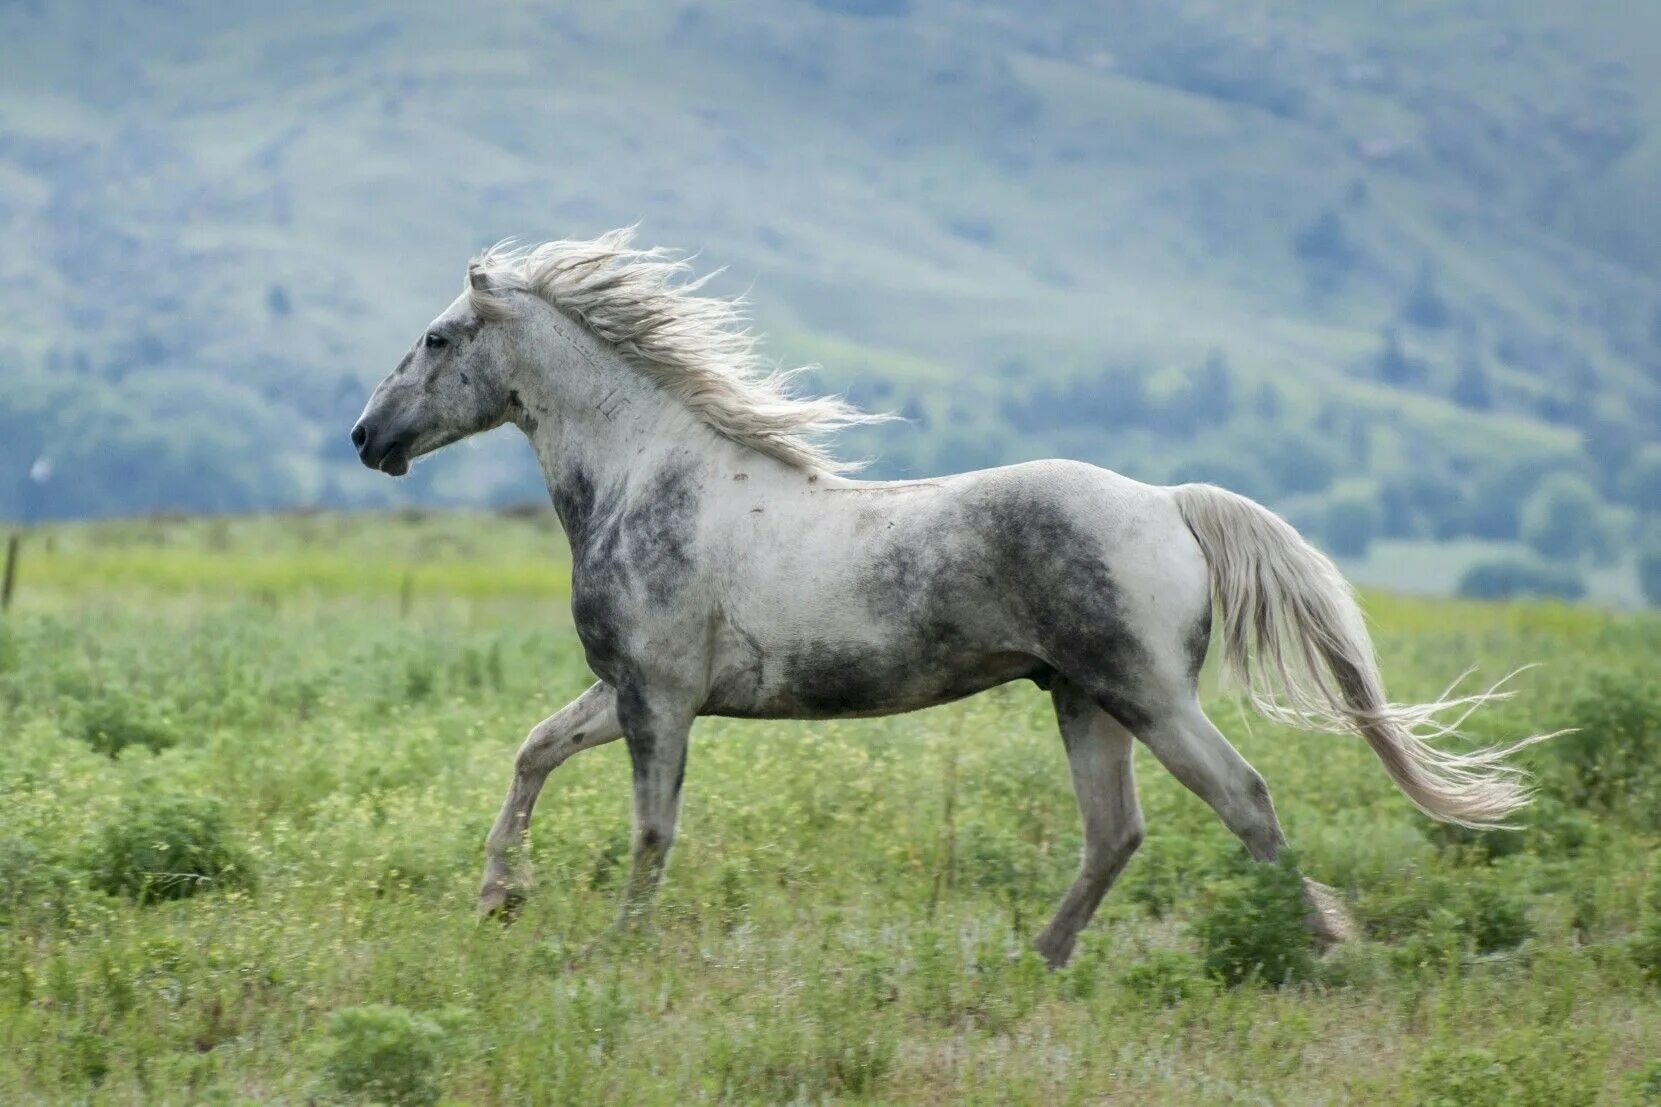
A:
(359, 436)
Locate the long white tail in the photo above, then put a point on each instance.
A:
(1294, 639)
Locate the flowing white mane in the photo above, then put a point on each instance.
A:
(698, 348)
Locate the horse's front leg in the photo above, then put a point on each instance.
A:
(589, 720)
(656, 733)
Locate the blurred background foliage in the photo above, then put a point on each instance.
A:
(1393, 269)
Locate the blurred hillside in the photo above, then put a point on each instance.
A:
(1395, 269)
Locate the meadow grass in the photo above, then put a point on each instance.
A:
(323, 745)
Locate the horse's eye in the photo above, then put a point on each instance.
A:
(434, 341)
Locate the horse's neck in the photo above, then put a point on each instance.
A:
(602, 431)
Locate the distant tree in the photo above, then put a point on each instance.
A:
(1392, 364)
(1297, 462)
(1640, 484)
(1472, 387)
(1115, 396)
(1326, 419)
(1505, 578)
(1613, 445)
(1425, 307)
(1324, 239)
(1396, 516)
(1207, 398)
(1235, 473)
(1267, 404)
(1495, 503)
(1562, 520)
(277, 302)
(1359, 440)
(1328, 255)
(1436, 502)
(1352, 522)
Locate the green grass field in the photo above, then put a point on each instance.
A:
(321, 713)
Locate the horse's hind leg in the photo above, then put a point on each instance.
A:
(1099, 756)
(589, 720)
(1196, 753)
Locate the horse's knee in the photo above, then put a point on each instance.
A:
(1131, 838)
(1115, 850)
(545, 748)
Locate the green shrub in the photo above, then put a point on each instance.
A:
(1167, 977)
(1438, 915)
(383, 1054)
(1497, 918)
(1612, 760)
(1253, 926)
(111, 723)
(11, 650)
(1483, 845)
(34, 882)
(1462, 1076)
(166, 847)
(1539, 1067)
(1646, 944)
(420, 679)
(89, 1054)
(999, 862)
(1555, 829)
(1168, 869)
(1646, 1083)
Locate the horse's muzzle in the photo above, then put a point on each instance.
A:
(387, 453)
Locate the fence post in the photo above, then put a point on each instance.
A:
(13, 544)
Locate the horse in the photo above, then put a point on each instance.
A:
(725, 563)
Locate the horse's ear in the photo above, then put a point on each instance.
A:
(477, 279)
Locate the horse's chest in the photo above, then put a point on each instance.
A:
(606, 611)
(623, 617)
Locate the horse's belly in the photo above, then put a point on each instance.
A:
(837, 681)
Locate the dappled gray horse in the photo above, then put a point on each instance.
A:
(722, 565)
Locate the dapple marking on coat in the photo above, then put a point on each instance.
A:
(723, 563)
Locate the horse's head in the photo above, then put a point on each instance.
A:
(453, 383)
(591, 342)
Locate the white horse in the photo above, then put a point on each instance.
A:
(722, 565)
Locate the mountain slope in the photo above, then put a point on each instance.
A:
(1317, 251)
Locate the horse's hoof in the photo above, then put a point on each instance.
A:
(1055, 952)
(501, 904)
